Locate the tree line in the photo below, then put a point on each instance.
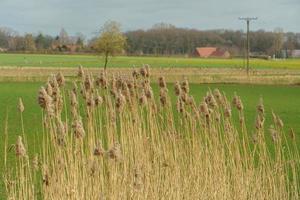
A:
(161, 39)
(165, 39)
(11, 41)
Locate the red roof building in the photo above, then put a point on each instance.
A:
(212, 52)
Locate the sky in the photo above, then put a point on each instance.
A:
(87, 16)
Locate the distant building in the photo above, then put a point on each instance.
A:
(66, 47)
(290, 53)
(3, 50)
(295, 53)
(212, 52)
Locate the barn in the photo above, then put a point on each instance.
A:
(212, 52)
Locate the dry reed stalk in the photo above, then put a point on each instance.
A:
(197, 154)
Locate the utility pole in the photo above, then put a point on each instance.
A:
(248, 19)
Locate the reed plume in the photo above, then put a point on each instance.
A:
(21, 107)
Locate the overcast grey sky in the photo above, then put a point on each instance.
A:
(87, 16)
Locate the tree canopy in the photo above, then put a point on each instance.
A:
(111, 40)
(161, 39)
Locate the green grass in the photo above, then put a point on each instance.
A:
(37, 60)
(284, 100)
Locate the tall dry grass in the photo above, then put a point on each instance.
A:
(110, 137)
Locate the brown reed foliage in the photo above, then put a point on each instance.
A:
(127, 142)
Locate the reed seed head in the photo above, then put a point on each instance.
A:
(162, 82)
(260, 107)
(259, 122)
(45, 101)
(163, 96)
(98, 100)
(78, 129)
(20, 148)
(102, 81)
(21, 107)
(204, 108)
(147, 68)
(73, 98)
(99, 151)
(49, 89)
(143, 72)
(180, 105)
(60, 79)
(80, 72)
(61, 132)
(177, 88)
(210, 100)
(115, 152)
(274, 133)
(143, 98)
(120, 101)
(218, 95)
(35, 162)
(46, 175)
(237, 102)
(227, 112)
(185, 86)
(135, 74)
(90, 100)
(54, 84)
(88, 83)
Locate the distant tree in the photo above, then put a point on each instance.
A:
(63, 37)
(20, 43)
(111, 40)
(39, 41)
(290, 43)
(29, 43)
(262, 42)
(278, 42)
(3, 39)
(7, 38)
(80, 40)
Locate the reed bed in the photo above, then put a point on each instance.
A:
(111, 137)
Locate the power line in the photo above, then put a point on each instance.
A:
(248, 19)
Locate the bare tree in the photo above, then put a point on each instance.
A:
(29, 43)
(63, 37)
(278, 41)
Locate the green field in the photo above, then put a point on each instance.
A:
(36, 60)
